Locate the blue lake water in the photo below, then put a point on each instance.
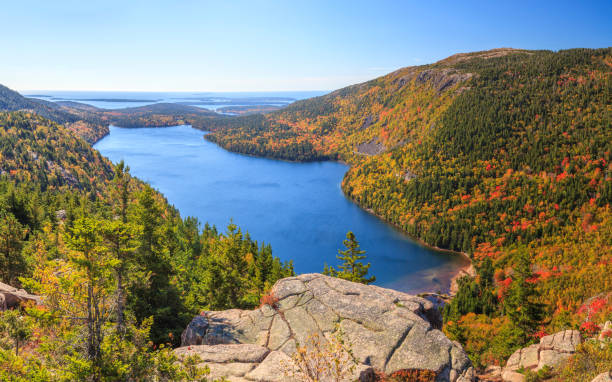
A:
(298, 208)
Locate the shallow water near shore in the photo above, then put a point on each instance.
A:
(298, 208)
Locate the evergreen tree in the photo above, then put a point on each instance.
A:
(12, 234)
(156, 295)
(352, 268)
(91, 286)
(120, 236)
(121, 191)
(18, 328)
(521, 304)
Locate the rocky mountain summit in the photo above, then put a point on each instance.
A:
(387, 331)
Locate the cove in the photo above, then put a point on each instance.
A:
(298, 208)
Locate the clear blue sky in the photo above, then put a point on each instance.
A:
(226, 45)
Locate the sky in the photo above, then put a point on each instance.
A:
(225, 45)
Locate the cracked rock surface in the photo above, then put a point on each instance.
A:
(386, 329)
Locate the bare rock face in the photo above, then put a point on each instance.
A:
(552, 351)
(11, 298)
(372, 147)
(387, 330)
(442, 79)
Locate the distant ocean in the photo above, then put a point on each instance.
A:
(207, 100)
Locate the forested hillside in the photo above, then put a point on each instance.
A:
(91, 123)
(504, 155)
(120, 272)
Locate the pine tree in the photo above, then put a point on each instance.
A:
(121, 191)
(120, 236)
(92, 285)
(156, 295)
(352, 268)
(12, 234)
(521, 304)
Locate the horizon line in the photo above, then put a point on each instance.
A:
(172, 91)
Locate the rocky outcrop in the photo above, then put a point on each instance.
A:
(442, 79)
(551, 351)
(439, 79)
(372, 147)
(603, 377)
(388, 331)
(11, 298)
(606, 332)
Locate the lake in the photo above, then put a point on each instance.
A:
(298, 208)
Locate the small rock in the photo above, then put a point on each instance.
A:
(512, 376)
(61, 214)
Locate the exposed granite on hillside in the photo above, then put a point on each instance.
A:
(552, 351)
(442, 79)
(12, 297)
(372, 147)
(439, 79)
(387, 331)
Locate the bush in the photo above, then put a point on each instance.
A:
(591, 359)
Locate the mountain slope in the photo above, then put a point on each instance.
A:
(497, 154)
(49, 178)
(88, 127)
(38, 151)
(91, 123)
(10, 100)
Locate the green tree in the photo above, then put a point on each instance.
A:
(93, 285)
(352, 268)
(156, 295)
(225, 278)
(120, 238)
(12, 234)
(521, 304)
(121, 191)
(17, 327)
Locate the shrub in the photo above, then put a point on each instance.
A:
(321, 359)
(268, 299)
(411, 375)
(591, 359)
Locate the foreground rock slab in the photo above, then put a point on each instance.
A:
(387, 330)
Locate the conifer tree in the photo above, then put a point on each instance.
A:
(120, 236)
(156, 295)
(521, 304)
(92, 285)
(352, 268)
(12, 234)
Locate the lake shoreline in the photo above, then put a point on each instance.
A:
(447, 278)
(464, 270)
